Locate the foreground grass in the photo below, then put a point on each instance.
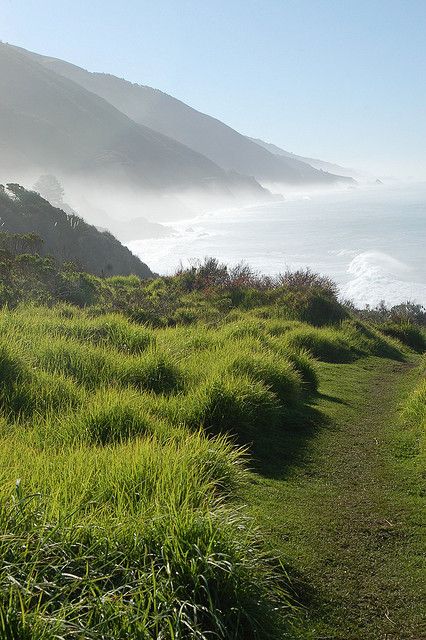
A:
(346, 511)
(123, 456)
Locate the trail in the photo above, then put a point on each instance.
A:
(346, 517)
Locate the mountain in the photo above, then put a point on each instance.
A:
(66, 237)
(321, 165)
(50, 124)
(203, 134)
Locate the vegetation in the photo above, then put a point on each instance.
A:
(126, 424)
(62, 234)
(411, 445)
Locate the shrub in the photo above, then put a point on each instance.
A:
(305, 279)
(313, 307)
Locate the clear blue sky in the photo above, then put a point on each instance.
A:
(344, 80)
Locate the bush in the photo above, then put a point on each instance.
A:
(307, 280)
(312, 307)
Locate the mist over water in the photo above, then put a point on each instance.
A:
(370, 240)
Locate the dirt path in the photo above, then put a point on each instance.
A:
(345, 516)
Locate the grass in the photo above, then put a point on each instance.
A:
(121, 480)
(342, 506)
(407, 333)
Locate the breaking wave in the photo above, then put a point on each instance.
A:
(376, 276)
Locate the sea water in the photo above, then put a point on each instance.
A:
(370, 240)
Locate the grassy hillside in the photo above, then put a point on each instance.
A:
(171, 474)
(65, 237)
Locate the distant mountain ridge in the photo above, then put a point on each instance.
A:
(203, 134)
(66, 237)
(321, 165)
(53, 125)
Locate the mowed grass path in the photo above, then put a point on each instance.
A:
(343, 507)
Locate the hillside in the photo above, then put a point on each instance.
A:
(205, 135)
(64, 236)
(321, 165)
(49, 124)
(128, 508)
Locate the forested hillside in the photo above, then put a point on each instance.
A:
(64, 236)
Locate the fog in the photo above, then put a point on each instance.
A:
(353, 235)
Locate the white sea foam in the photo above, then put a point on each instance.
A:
(377, 276)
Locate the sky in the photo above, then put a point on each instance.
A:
(342, 80)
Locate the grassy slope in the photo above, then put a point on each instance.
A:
(348, 515)
(97, 420)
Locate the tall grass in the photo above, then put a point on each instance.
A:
(120, 476)
(132, 539)
(409, 334)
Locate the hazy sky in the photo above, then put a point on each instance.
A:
(344, 80)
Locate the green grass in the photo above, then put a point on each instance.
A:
(407, 333)
(341, 502)
(121, 480)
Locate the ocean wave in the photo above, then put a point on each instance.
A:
(377, 276)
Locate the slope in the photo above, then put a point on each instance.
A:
(66, 237)
(321, 165)
(50, 124)
(202, 133)
(344, 511)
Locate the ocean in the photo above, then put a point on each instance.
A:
(370, 240)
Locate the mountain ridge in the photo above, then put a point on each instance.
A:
(321, 165)
(52, 123)
(204, 134)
